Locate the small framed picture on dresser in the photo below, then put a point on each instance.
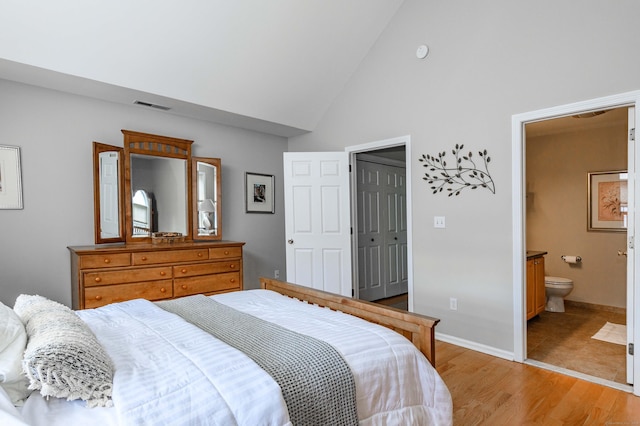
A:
(10, 178)
(259, 193)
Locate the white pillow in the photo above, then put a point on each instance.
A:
(63, 358)
(9, 415)
(13, 341)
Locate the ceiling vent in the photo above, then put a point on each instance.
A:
(150, 105)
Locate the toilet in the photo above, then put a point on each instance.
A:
(556, 289)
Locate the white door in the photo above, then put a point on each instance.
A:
(631, 181)
(382, 230)
(396, 231)
(317, 220)
(109, 217)
(371, 247)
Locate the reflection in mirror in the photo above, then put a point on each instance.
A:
(206, 178)
(142, 212)
(107, 163)
(163, 181)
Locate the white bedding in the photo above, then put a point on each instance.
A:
(170, 372)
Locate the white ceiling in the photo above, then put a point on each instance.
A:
(273, 66)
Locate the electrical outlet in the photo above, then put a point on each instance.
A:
(276, 273)
(453, 303)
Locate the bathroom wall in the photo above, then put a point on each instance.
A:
(558, 160)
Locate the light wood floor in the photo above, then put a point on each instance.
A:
(492, 391)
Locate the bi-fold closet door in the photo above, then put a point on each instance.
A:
(382, 229)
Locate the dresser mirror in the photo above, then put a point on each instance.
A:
(206, 180)
(154, 185)
(159, 166)
(107, 193)
(159, 202)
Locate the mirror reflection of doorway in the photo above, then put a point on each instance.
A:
(560, 154)
(141, 208)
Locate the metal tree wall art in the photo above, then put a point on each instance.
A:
(463, 174)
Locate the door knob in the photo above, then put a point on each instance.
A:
(290, 241)
(622, 253)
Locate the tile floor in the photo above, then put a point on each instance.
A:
(564, 340)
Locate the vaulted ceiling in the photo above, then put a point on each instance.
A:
(267, 65)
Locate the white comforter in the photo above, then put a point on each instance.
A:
(170, 372)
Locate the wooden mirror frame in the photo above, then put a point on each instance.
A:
(159, 146)
(99, 148)
(216, 162)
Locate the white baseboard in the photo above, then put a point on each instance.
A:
(474, 346)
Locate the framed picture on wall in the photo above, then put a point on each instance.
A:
(608, 201)
(259, 193)
(10, 178)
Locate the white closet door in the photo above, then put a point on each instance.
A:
(371, 247)
(395, 234)
(382, 230)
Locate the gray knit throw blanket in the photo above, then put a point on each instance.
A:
(316, 382)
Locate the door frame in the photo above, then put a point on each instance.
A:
(518, 162)
(372, 146)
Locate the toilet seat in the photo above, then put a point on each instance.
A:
(558, 282)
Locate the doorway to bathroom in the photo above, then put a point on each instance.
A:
(559, 151)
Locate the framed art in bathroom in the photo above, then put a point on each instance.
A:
(10, 178)
(259, 193)
(607, 206)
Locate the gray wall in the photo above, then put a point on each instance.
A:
(55, 130)
(488, 61)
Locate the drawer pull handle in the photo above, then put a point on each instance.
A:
(98, 297)
(163, 273)
(162, 290)
(226, 252)
(233, 280)
(98, 279)
(107, 261)
(184, 286)
(183, 270)
(199, 254)
(232, 266)
(144, 258)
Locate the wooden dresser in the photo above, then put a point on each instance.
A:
(109, 273)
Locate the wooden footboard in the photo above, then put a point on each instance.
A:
(419, 329)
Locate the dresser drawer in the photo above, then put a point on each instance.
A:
(205, 269)
(225, 252)
(206, 284)
(170, 256)
(104, 260)
(103, 295)
(126, 276)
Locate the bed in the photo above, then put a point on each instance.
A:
(168, 368)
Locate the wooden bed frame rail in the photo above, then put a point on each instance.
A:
(419, 329)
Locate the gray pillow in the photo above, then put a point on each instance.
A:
(63, 358)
